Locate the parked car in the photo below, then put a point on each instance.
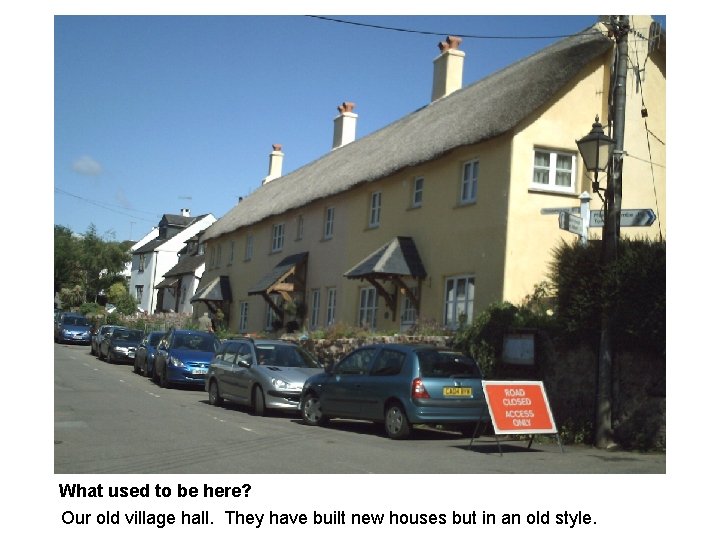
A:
(183, 357)
(263, 374)
(120, 345)
(72, 328)
(398, 385)
(98, 336)
(145, 356)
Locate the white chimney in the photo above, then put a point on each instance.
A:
(185, 212)
(447, 75)
(345, 124)
(275, 165)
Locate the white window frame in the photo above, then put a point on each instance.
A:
(218, 256)
(329, 226)
(232, 253)
(453, 306)
(300, 227)
(243, 318)
(249, 241)
(315, 308)
(469, 182)
(418, 187)
(270, 315)
(367, 312)
(278, 237)
(331, 303)
(552, 171)
(375, 206)
(139, 293)
(408, 315)
(141, 262)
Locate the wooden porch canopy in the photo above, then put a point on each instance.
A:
(286, 279)
(394, 261)
(218, 290)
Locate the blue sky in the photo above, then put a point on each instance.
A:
(158, 113)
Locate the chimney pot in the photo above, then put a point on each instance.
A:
(275, 165)
(345, 124)
(447, 74)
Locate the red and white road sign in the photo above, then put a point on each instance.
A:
(519, 407)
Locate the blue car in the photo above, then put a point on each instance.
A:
(72, 328)
(145, 355)
(398, 386)
(183, 357)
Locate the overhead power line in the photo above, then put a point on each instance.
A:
(430, 33)
(107, 206)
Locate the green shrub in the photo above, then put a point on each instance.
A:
(633, 288)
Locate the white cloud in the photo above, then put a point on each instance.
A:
(87, 166)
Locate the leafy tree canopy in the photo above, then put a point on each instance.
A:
(88, 261)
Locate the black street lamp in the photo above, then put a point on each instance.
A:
(596, 149)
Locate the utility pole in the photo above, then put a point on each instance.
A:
(620, 27)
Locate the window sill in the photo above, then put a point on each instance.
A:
(552, 191)
(414, 207)
(466, 204)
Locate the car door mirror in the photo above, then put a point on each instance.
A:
(242, 362)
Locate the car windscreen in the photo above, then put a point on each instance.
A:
(285, 356)
(76, 321)
(444, 364)
(128, 335)
(195, 342)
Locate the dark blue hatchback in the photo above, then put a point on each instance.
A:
(183, 357)
(398, 385)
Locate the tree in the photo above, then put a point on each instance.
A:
(119, 295)
(68, 273)
(87, 261)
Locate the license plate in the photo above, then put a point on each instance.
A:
(199, 371)
(457, 391)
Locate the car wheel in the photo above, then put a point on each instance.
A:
(214, 396)
(396, 423)
(258, 403)
(311, 413)
(164, 383)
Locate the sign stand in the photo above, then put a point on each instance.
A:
(518, 408)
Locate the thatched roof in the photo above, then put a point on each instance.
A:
(481, 111)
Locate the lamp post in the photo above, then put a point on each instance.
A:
(596, 149)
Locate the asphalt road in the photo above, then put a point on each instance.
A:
(110, 420)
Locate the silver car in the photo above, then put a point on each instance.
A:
(263, 374)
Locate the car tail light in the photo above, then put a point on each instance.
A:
(418, 389)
